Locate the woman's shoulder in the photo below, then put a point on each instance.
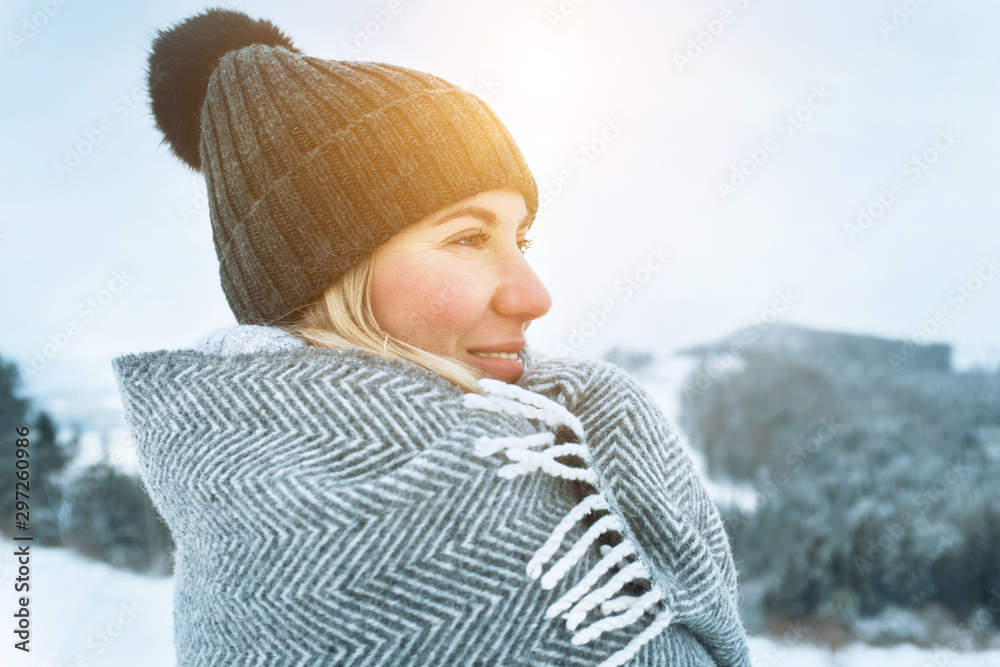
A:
(244, 338)
(225, 341)
(267, 351)
(578, 383)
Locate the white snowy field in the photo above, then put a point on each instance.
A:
(85, 613)
(768, 653)
(88, 614)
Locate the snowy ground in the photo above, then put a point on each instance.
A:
(767, 653)
(86, 614)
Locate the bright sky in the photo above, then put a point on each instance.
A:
(740, 138)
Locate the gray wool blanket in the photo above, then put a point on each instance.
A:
(330, 507)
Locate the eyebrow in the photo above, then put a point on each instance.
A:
(484, 214)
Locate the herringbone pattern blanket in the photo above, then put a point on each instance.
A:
(334, 508)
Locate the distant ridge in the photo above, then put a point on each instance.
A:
(827, 347)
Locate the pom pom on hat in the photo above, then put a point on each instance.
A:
(310, 164)
(182, 60)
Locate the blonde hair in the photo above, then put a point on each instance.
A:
(343, 319)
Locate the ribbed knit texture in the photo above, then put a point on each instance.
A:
(333, 508)
(311, 164)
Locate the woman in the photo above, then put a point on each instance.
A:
(370, 468)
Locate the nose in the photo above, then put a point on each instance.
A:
(519, 291)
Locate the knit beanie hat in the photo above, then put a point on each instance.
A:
(310, 164)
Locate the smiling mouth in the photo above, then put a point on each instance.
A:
(497, 355)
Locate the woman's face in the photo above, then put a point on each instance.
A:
(456, 283)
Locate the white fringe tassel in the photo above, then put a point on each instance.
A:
(659, 624)
(578, 613)
(630, 615)
(594, 501)
(611, 559)
(509, 398)
(617, 605)
(538, 451)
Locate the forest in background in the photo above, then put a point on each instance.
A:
(874, 469)
(95, 509)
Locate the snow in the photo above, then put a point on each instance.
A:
(88, 614)
(85, 613)
(770, 653)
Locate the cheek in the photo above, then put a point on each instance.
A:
(430, 306)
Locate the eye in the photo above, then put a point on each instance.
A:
(476, 238)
